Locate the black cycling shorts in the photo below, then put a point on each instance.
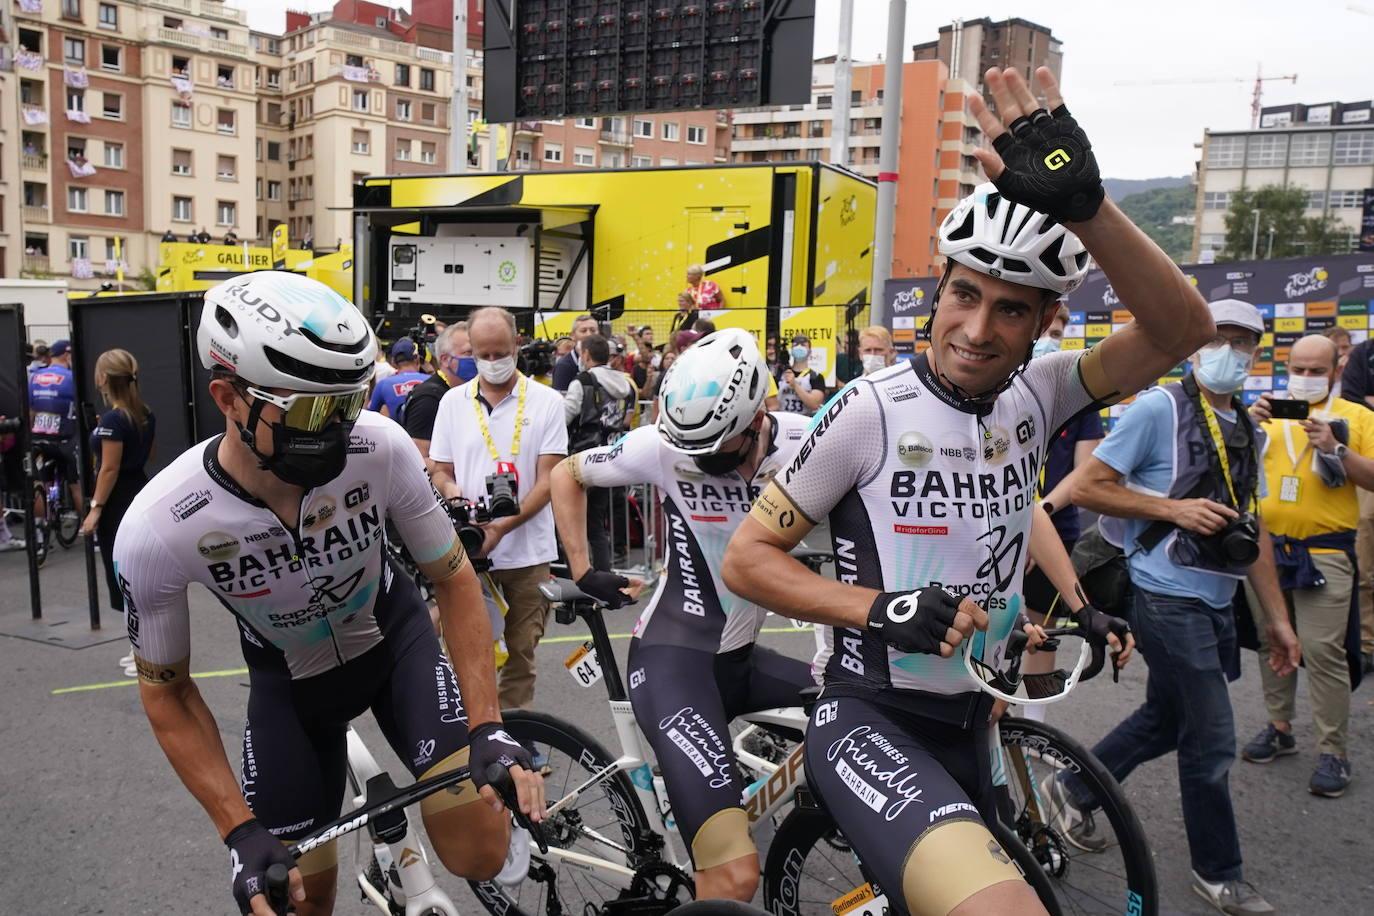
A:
(58, 453)
(294, 740)
(888, 778)
(684, 700)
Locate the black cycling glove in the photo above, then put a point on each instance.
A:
(1100, 624)
(1050, 166)
(252, 850)
(490, 743)
(915, 621)
(605, 587)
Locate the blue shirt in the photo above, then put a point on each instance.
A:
(392, 392)
(52, 394)
(1059, 454)
(1141, 448)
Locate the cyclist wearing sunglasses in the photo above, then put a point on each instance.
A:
(283, 519)
(927, 473)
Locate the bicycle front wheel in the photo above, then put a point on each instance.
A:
(810, 866)
(1098, 861)
(606, 822)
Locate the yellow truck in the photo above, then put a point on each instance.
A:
(790, 245)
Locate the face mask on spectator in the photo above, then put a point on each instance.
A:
(1045, 345)
(496, 371)
(799, 353)
(1222, 369)
(1309, 388)
(873, 362)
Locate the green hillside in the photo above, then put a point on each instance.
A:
(1154, 211)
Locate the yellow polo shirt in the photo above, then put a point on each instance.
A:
(1318, 509)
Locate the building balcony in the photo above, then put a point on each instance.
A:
(37, 162)
(203, 43)
(616, 138)
(35, 214)
(36, 263)
(528, 127)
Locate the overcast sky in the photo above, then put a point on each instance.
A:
(1137, 131)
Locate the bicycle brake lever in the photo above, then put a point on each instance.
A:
(499, 778)
(277, 879)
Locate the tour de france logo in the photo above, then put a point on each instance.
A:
(505, 272)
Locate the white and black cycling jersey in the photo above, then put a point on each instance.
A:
(923, 490)
(311, 593)
(691, 606)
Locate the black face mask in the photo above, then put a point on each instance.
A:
(720, 464)
(301, 459)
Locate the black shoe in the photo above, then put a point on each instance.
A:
(1331, 776)
(1268, 745)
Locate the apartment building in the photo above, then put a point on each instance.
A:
(970, 47)
(935, 153)
(1326, 149)
(11, 254)
(628, 141)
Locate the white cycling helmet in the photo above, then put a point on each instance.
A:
(276, 329)
(712, 392)
(988, 233)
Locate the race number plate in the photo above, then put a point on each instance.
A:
(583, 666)
(47, 424)
(865, 900)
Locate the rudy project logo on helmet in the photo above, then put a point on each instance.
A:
(1057, 159)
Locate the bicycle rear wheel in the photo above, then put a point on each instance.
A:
(65, 523)
(606, 822)
(810, 865)
(1116, 873)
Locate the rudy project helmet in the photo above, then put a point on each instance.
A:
(275, 329)
(712, 392)
(988, 233)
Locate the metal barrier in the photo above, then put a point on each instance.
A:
(14, 403)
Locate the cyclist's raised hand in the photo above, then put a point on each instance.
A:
(1040, 158)
(252, 850)
(932, 621)
(490, 743)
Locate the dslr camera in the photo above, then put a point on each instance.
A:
(536, 357)
(502, 499)
(424, 334)
(1238, 543)
(469, 514)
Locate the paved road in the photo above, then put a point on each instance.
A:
(98, 822)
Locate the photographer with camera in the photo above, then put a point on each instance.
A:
(455, 365)
(570, 363)
(1320, 450)
(1182, 468)
(500, 436)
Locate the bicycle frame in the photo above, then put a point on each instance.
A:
(774, 788)
(415, 881)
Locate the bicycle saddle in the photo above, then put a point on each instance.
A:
(563, 591)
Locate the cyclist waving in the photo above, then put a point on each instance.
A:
(283, 519)
(927, 473)
(693, 663)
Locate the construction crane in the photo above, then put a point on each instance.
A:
(1255, 99)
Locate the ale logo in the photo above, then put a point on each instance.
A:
(1057, 160)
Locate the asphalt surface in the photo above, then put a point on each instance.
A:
(98, 822)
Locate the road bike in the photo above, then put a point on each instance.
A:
(607, 855)
(57, 519)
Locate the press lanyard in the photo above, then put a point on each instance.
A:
(521, 388)
(1219, 442)
(1295, 460)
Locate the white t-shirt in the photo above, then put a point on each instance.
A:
(458, 440)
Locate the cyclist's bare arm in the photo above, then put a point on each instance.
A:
(1171, 316)
(570, 513)
(1048, 552)
(758, 567)
(186, 730)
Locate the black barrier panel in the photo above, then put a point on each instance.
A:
(152, 328)
(209, 421)
(12, 396)
(14, 399)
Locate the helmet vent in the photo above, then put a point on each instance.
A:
(982, 254)
(1081, 259)
(736, 350)
(317, 374)
(1050, 257)
(226, 321)
(964, 230)
(1016, 265)
(356, 347)
(1006, 227)
(994, 201)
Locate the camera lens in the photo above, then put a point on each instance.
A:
(471, 538)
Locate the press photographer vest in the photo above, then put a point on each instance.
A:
(1197, 473)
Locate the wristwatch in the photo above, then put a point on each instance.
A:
(1047, 506)
(1341, 450)
(94, 504)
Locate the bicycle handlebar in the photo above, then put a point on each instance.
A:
(278, 899)
(1018, 641)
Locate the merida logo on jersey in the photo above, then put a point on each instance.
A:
(349, 537)
(950, 494)
(691, 586)
(709, 497)
(819, 424)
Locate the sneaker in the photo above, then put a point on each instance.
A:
(517, 866)
(1236, 897)
(127, 663)
(1079, 827)
(1330, 777)
(1269, 744)
(13, 544)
